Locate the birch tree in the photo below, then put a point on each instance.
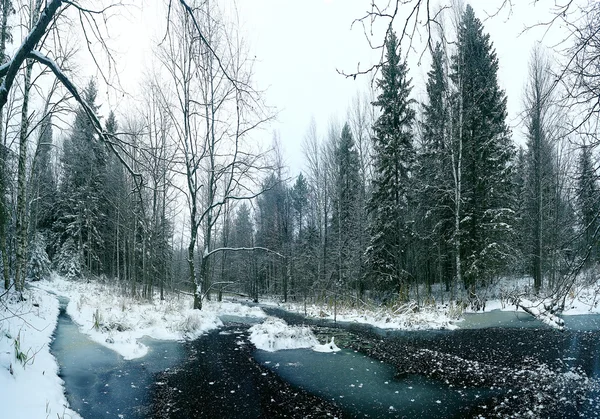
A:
(213, 111)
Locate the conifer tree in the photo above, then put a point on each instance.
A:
(480, 124)
(242, 236)
(588, 199)
(346, 208)
(80, 216)
(43, 181)
(435, 177)
(393, 161)
(541, 174)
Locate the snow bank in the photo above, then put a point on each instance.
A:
(275, 334)
(236, 309)
(30, 388)
(406, 317)
(118, 322)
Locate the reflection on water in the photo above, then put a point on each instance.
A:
(584, 322)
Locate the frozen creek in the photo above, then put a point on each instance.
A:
(498, 364)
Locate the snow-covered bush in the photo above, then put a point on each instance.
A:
(275, 334)
(39, 263)
(192, 323)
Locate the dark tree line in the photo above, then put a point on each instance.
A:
(451, 200)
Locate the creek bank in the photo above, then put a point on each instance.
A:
(98, 382)
(220, 378)
(533, 371)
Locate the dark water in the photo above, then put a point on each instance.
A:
(525, 361)
(216, 376)
(99, 383)
(367, 388)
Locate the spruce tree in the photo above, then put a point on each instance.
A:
(435, 178)
(80, 218)
(588, 199)
(114, 204)
(480, 124)
(43, 181)
(541, 172)
(393, 161)
(243, 236)
(346, 210)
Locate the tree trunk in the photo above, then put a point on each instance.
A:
(22, 216)
(3, 207)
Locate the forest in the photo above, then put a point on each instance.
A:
(404, 200)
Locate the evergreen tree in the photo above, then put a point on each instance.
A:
(480, 125)
(299, 197)
(115, 200)
(521, 244)
(541, 172)
(80, 218)
(346, 209)
(242, 236)
(588, 199)
(43, 181)
(393, 161)
(435, 178)
(273, 226)
(39, 263)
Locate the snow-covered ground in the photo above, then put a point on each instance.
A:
(118, 322)
(104, 315)
(403, 317)
(584, 298)
(30, 387)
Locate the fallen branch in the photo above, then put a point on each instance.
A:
(543, 314)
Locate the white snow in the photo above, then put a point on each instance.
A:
(118, 322)
(538, 311)
(30, 389)
(327, 347)
(275, 334)
(103, 314)
(403, 317)
(236, 309)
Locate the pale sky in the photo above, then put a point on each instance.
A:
(299, 45)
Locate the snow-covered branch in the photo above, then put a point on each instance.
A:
(543, 313)
(64, 79)
(242, 249)
(9, 71)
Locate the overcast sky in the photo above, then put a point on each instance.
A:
(299, 45)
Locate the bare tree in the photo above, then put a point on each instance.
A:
(214, 110)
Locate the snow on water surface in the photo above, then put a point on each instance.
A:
(327, 347)
(33, 389)
(275, 334)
